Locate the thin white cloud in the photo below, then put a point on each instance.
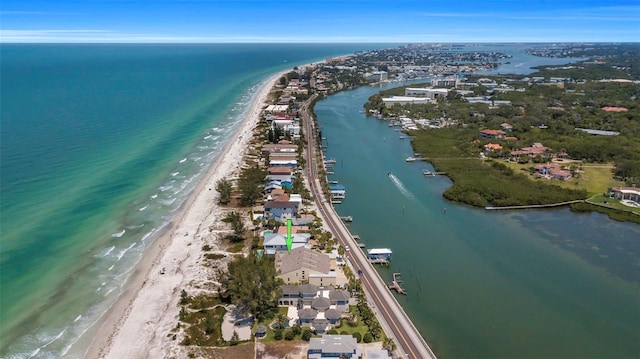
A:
(98, 35)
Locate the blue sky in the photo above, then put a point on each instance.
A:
(318, 21)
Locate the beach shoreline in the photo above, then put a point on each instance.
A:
(138, 323)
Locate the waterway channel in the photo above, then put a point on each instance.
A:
(484, 284)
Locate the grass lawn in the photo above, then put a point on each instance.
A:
(595, 178)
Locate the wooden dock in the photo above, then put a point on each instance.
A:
(433, 173)
(395, 285)
(380, 261)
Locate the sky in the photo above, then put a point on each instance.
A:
(321, 21)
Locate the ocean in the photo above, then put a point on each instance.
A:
(484, 284)
(100, 146)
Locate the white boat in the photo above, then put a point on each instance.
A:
(330, 160)
(347, 218)
(411, 159)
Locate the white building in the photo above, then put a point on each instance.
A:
(426, 92)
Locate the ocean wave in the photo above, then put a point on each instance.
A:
(146, 235)
(154, 196)
(174, 174)
(110, 268)
(183, 160)
(207, 137)
(142, 208)
(165, 188)
(168, 202)
(119, 234)
(35, 352)
(135, 227)
(109, 250)
(125, 251)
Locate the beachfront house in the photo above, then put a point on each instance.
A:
(303, 265)
(277, 242)
(280, 211)
(333, 346)
(279, 174)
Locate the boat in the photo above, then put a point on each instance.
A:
(347, 218)
(330, 160)
(333, 182)
(411, 159)
(336, 201)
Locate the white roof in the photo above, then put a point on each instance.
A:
(379, 251)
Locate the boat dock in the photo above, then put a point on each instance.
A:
(395, 284)
(433, 173)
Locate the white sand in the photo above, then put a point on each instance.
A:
(139, 323)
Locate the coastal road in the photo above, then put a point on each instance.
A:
(390, 314)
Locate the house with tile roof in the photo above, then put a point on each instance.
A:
(488, 133)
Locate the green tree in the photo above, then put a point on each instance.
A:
(250, 284)
(237, 224)
(289, 335)
(368, 338)
(306, 335)
(224, 189)
(277, 334)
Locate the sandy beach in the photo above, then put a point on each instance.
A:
(138, 324)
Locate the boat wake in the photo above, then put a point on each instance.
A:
(400, 186)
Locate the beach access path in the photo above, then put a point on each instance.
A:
(147, 310)
(392, 317)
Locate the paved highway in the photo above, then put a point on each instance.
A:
(392, 318)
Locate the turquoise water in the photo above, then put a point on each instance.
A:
(485, 284)
(100, 145)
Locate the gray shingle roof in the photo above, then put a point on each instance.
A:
(332, 314)
(320, 303)
(338, 344)
(338, 295)
(302, 257)
(307, 313)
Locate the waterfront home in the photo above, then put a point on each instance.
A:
(552, 171)
(280, 173)
(494, 134)
(280, 211)
(270, 149)
(278, 110)
(291, 162)
(631, 194)
(333, 346)
(276, 242)
(303, 265)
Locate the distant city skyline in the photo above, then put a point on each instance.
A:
(324, 21)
